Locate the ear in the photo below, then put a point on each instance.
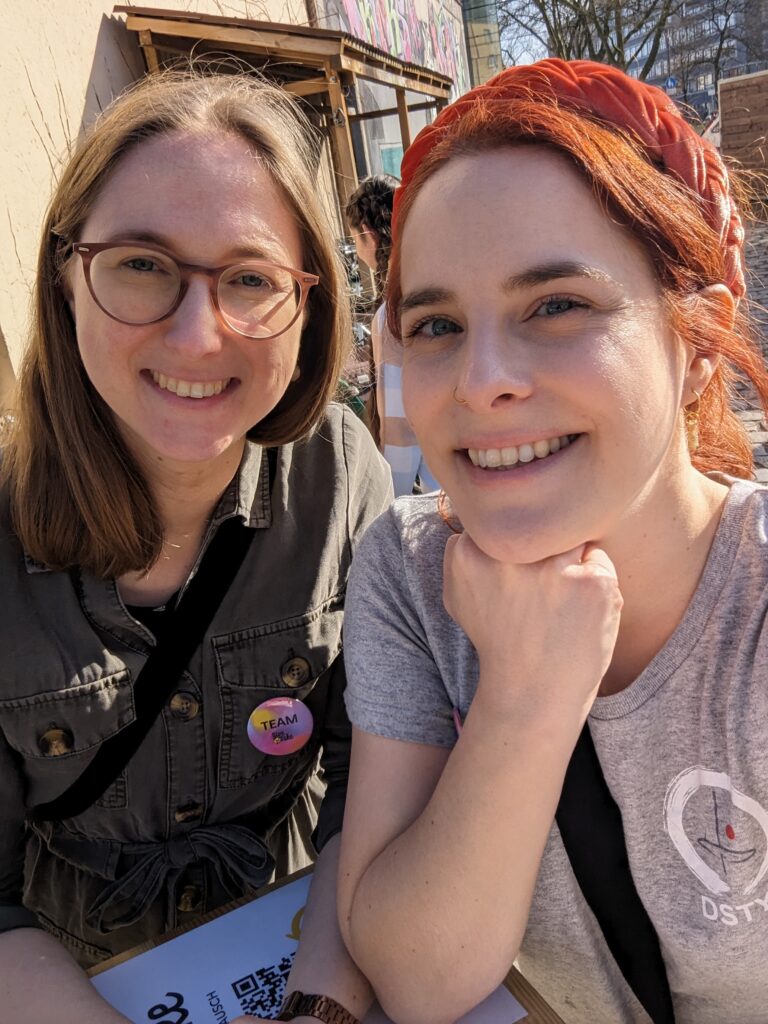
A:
(371, 236)
(701, 365)
(296, 373)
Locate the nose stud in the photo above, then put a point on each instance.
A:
(457, 400)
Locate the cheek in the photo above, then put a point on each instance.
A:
(275, 360)
(419, 392)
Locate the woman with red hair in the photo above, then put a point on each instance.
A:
(557, 671)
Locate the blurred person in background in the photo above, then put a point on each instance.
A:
(369, 212)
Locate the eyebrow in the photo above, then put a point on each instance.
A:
(539, 274)
(544, 272)
(257, 252)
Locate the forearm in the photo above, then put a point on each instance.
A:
(40, 981)
(322, 965)
(458, 882)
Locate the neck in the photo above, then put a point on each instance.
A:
(659, 550)
(186, 496)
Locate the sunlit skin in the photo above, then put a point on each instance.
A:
(545, 319)
(210, 202)
(365, 245)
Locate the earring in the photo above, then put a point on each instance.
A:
(457, 400)
(692, 412)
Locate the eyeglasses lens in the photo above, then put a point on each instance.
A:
(135, 285)
(139, 286)
(258, 300)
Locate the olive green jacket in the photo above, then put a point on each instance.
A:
(199, 815)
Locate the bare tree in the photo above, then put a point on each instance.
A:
(619, 32)
(714, 35)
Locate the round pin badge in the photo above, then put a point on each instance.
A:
(280, 726)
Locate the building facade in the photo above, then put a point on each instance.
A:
(704, 41)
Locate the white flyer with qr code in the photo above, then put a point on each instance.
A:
(234, 963)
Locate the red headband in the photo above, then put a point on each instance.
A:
(615, 98)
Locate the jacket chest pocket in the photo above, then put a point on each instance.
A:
(283, 659)
(58, 733)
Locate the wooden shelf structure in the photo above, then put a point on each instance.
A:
(319, 65)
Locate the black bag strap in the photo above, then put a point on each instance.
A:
(591, 827)
(186, 625)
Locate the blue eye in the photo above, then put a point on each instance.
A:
(141, 263)
(433, 327)
(557, 304)
(253, 281)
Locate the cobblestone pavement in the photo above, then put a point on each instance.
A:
(746, 403)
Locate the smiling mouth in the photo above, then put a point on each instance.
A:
(190, 388)
(506, 458)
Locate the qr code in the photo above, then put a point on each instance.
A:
(261, 993)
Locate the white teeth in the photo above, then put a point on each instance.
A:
(190, 389)
(500, 458)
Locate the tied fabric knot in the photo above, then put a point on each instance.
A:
(238, 856)
(611, 96)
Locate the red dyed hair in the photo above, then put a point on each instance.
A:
(653, 175)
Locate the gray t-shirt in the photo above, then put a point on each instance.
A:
(684, 750)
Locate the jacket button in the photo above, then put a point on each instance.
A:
(56, 741)
(189, 812)
(184, 705)
(190, 899)
(295, 671)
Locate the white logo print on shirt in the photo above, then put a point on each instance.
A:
(740, 857)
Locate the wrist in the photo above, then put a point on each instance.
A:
(554, 712)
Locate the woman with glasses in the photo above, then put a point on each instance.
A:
(557, 673)
(188, 332)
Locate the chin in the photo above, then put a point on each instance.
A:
(190, 450)
(520, 544)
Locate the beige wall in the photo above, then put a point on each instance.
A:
(62, 62)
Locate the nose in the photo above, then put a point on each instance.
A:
(195, 328)
(496, 368)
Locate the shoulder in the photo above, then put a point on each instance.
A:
(412, 525)
(405, 657)
(735, 577)
(402, 553)
(340, 437)
(744, 522)
(339, 469)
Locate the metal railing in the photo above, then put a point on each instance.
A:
(745, 69)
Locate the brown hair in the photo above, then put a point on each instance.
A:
(370, 206)
(665, 215)
(77, 495)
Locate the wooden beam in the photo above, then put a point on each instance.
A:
(150, 53)
(395, 79)
(279, 42)
(402, 113)
(306, 87)
(369, 115)
(341, 141)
